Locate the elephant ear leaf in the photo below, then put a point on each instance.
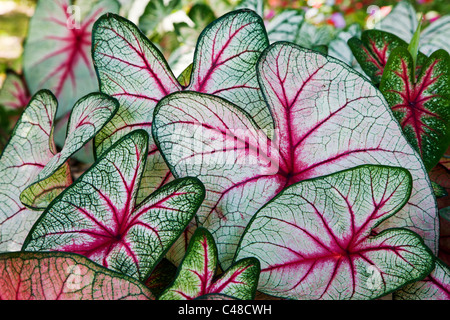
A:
(63, 276)
(28, 151)
(98, 215)
(14, 93)
(316, 239)
(373, 50)
(420, 103)
(436, 286)
(87, 118)
(402, 21)
(196, 274)
(327, 118)
(57, 50)
(131, 69)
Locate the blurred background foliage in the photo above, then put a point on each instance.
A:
(174, 26)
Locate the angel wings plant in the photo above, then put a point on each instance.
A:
(292, 168)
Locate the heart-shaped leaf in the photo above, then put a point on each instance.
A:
(327, 118)
(14, 92)
(131, 69)
(420, 103)
(435, 286)
(402, 21)
(63, 276)
(57, 50)
(373, 50)
(315, 239)
(196, 273)
(88, 117)
(98, 216)
(28, 151)
(286, 26)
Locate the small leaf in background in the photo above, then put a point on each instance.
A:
(88, 117)
(57, 52)
(98, 216)
(63, 276)
(402, 21)
(422, 105)
(435, 286)
(154, 14)
(316, 240)
(30, 148)
(287, 26)
(327, 118)
(338, 47)
(196, 274)
(131, 69)
(14, 93)
(373, 50)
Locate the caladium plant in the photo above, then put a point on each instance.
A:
(30, 148)
(327, 118)
(291, 25)
(402, 21)
(372, 51)
(14, 92)
(57, 49)
(196, 274)
(420, 101)
(64, 276)
(98, 216)
(131, 69)
(339, 48)
(89, 115)
(33, 171)
(435, 286)
(316, 238)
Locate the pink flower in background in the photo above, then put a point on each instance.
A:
(337, 20)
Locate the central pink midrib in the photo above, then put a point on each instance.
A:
(214, 63)
(414, 102)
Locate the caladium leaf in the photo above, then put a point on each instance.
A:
(155, 12)
(315, 37)
(421, 104)
(98, 216)
(402, 21)
(87, 118)
(327, 118)
(178, 250)
(196, 273)
(286, 26)
(57, 50)
(161, 277)
(30, 148)
(338, 47)
(373, 50)
(14, 92)
(63, 276)
(131, 69)
(435, 286)
(315, 239)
